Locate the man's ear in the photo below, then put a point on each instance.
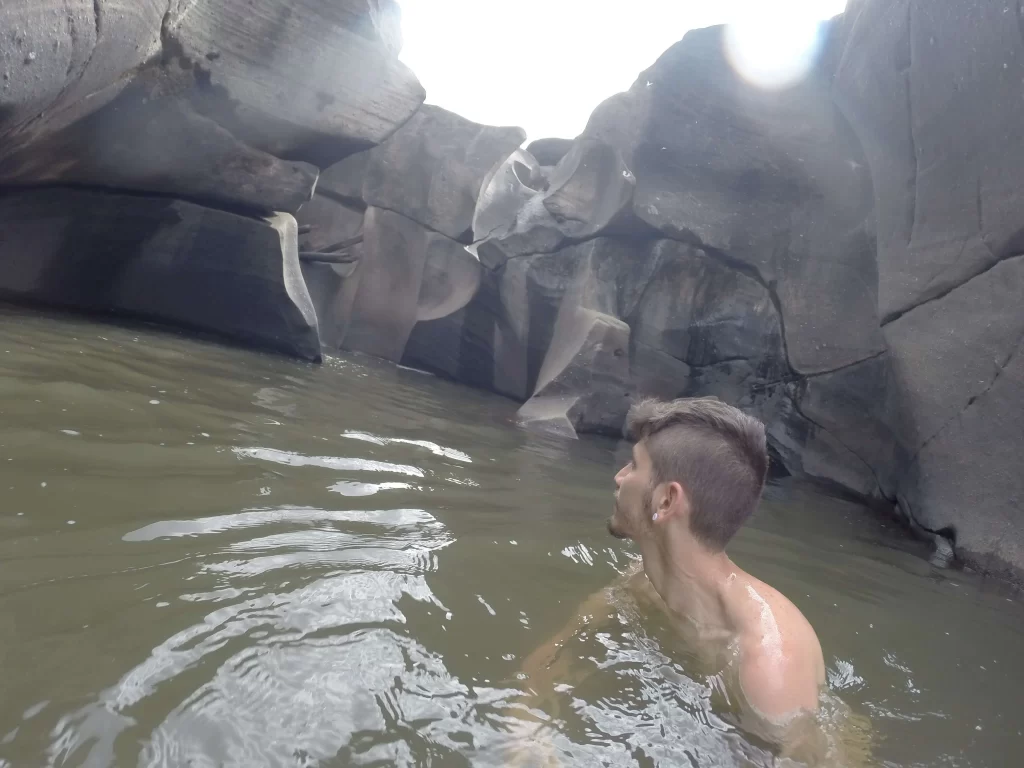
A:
(673, 501)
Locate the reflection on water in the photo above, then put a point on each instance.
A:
(210, 557)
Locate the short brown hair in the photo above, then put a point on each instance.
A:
(715, 451)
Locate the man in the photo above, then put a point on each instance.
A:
(696, 474)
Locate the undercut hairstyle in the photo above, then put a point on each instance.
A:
(717, 453)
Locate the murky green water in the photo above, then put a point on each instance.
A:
(210, 557)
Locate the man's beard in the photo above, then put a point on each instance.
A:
(618, 533)
(620, 514)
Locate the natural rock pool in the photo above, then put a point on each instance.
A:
(211, 557)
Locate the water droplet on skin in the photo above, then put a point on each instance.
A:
(42, 485)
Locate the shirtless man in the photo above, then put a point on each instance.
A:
(697, 471)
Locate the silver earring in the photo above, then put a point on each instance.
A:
(654, 517)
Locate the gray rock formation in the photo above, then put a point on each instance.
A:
(273, 71)
(162, 146)
(841, 258)
(775, 181)
(406, 273)
(584, 384)
(549, 151)
(215, 101)
(431, 169)
(932, 91)
(343, 181)
(332, 289)
(159, 259)
(524, 210)
(956, 360)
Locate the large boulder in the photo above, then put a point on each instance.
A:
(304, 79)
(773, 181)
(228, 103)
(967, 483)
(162, 146)
(64, 59)
(956, 360)
(159, 259)
(432, 168)
(932, 91)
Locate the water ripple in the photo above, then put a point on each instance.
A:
(434, 448)
(293, 459)
(395, 518)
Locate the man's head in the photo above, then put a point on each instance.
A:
(697, 463)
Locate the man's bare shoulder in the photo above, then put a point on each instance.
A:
(780, 660)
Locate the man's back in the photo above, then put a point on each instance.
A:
(767, 660)
(769, 654)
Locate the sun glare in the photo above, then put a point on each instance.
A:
(546, 64)
(774, 47)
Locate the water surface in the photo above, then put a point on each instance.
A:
(213, 557)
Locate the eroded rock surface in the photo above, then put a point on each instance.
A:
(159, 259)
(431, 170)
(227, 102)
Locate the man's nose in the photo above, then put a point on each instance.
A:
(618, 477)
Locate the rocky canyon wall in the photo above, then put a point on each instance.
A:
(841, 257)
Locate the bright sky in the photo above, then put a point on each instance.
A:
(546, 64)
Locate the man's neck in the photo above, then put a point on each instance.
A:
(690, 580)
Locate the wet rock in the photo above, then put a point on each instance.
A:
(956, 359)
(332, 289)
(551, 415)
(586, 372)
(406, 273)
(966, 481)
(159, 259)
(809, 450)
(431, 170)
(860, 407)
